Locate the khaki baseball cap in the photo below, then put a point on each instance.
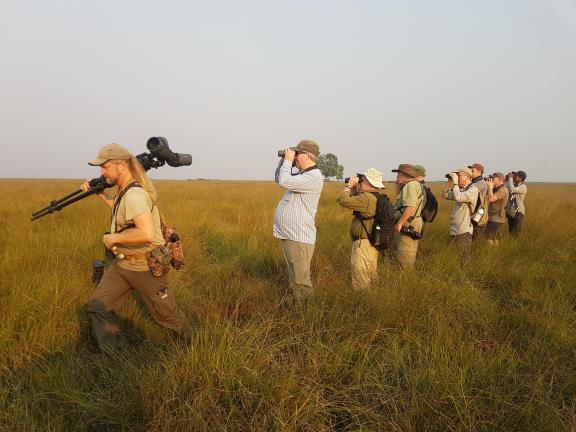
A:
(420, 170)
(375, 177)
(308, 146)
(407, 169)
(464, 170)
(110, 152)
(500, 175)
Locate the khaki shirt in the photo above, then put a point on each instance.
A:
(411, 195)
(365, 204)
(460, 218)
(136, 202)
(497, 209)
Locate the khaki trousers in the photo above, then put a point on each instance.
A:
(298, 258)
(113, 290)
(407, 249)
(364, 260)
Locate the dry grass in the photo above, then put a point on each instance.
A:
(491, 346)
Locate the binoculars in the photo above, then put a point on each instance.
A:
(411, 232)
(282, 153)
(360, 176)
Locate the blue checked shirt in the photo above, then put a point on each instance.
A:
(294, 216)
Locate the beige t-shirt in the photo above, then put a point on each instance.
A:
(136, 202)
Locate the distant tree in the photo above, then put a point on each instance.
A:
(329, 167)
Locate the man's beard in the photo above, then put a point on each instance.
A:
(110, 181)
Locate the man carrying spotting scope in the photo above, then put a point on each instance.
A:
(160, 154)
(142, 260)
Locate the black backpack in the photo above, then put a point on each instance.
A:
(431, 207)
(382, 233)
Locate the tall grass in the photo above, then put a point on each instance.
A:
(485, 347)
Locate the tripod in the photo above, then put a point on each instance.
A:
(97, 185)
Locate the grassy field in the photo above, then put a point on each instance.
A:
(487, 347)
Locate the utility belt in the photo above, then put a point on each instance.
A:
(158, 261)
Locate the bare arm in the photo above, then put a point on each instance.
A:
(407, 214)
(143, 232)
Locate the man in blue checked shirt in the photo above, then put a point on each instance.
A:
(295, 213)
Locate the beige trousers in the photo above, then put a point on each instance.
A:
(406, 251)
(364, 260)
(113, 290)
(298, 258)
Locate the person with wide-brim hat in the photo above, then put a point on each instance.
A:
(361, 196)
(410, 200)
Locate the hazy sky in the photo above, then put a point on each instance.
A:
(442, 83)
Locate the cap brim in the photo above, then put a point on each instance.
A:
(404, 172)
(97, 162)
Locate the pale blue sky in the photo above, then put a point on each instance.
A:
(442, 83)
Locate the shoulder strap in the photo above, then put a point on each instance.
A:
(411, 218)
(361, 218)
(119, 198)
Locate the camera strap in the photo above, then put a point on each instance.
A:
(468, 204)
(313, 167)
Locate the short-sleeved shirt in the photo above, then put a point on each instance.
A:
(497, 209)
(136, 202)
(411, 195)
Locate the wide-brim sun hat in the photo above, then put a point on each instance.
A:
(375, 177)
